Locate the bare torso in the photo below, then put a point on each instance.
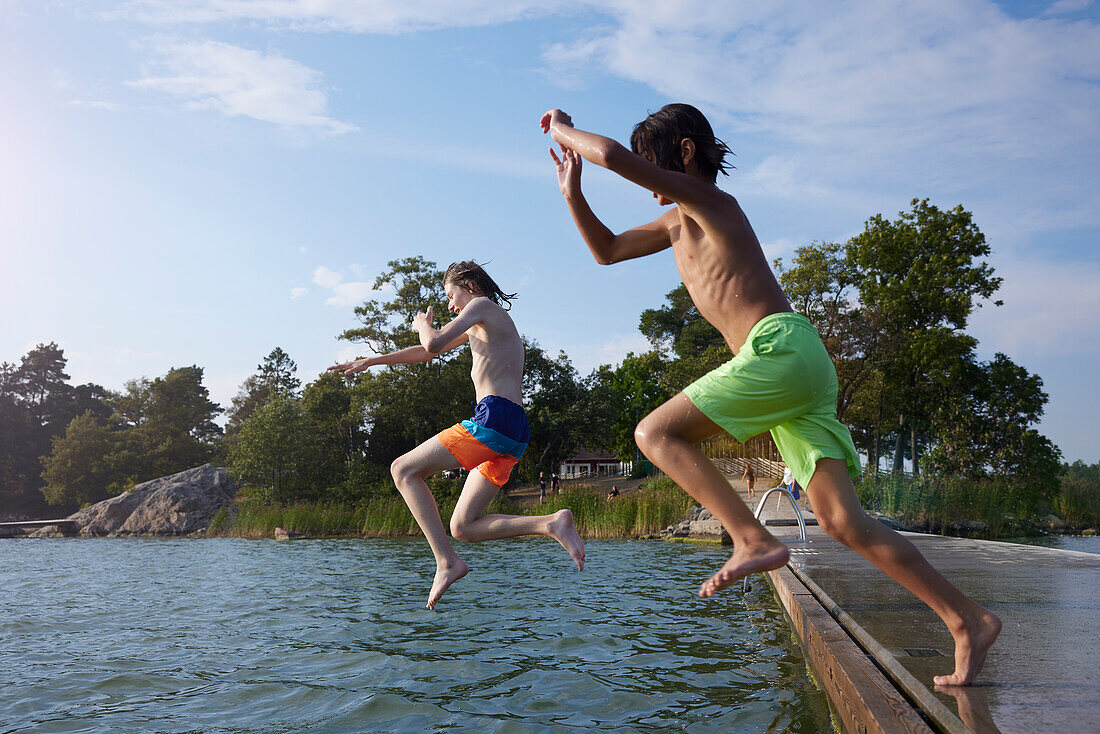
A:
(723, 267)
(497, 350)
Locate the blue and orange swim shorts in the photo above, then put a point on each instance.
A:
(493, 440)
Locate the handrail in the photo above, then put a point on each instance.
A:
(794, 503)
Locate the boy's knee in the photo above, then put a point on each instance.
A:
(460, 528)
(842, 527)
(400, 468)
(646, 434)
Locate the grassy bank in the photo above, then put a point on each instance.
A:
(936, 503)
(647, 510)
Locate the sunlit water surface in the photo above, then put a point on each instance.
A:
(227, 635)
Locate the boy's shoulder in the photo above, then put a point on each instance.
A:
(483, 308)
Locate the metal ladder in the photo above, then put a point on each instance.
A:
(797, 513)
(794, 504)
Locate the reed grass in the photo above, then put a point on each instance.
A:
(644, 511)
(1079, 502)
(649, 509)
(1000, 503)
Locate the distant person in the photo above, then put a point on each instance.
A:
(554, 483)
(780, 377)
(492, 441)
(788, 483)
(613, 493)
(542, 487)
(749, 478)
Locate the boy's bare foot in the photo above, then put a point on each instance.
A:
(444, 577)
(972, 642)
(746, 559)
(564, 530)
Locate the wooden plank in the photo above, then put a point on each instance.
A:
(864, 699)
(38, 523)
(932, 707)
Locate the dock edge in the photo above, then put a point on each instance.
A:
(869, 689)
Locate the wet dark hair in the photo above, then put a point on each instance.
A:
(658, 138)
(470, 276)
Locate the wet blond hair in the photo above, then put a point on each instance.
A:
(473, 278)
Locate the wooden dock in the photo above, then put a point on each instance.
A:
(21, 528)
(874, 647)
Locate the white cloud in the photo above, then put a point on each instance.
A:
(303, 250)
(351, 293)
(1067, 6)
(613, 351)
(351, 352)
(783, 247)
(298, 292)
(325, 277)
(95, 104)
(240, 81)
(372, 16)
(864, 97)
(857, 97)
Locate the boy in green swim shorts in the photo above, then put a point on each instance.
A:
(780, 378)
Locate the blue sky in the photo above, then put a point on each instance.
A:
(199, 181)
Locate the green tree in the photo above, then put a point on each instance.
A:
(922, 276)
(416, 283)
(79, 470)
(983, 426)
(277, 453)
(559, 410)
(178, 430)
(18, 460)
(278, 371)
(1079, 470)
(37, 402)
(678, 330)
(276, 374)
(157, 427)
(631, 390)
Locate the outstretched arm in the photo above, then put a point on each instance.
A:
(603, 151)
(606, 246)
(408, 355)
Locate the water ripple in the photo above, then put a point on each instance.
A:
(231, 635)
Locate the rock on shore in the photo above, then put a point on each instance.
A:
(180, 504)
(699, 524)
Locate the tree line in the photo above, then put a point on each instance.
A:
(892, 305)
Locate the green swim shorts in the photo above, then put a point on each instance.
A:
(781, 380)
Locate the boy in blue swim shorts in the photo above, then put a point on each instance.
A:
(780, 378)
(491, 442)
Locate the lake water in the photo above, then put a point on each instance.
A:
(1080, 543)
(228, 635)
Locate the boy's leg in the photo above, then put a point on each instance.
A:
(409, 472)
(839, 514)
(667, 436)
(468, 523)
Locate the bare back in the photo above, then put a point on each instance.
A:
(497, 350)
(723, 266)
